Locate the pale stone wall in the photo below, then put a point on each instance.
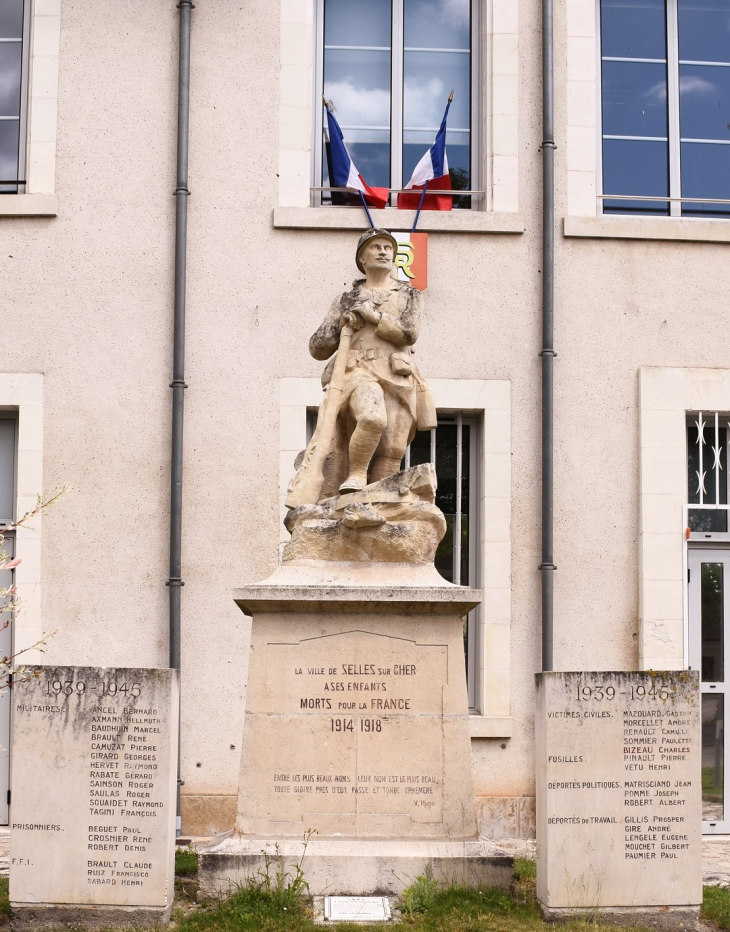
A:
(91, 298)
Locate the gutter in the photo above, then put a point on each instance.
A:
(547, 566)
(178, 386)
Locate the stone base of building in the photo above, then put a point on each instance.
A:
(685, 918)
(351, 867)
(39, 916)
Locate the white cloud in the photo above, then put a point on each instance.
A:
(424, 104)
(693, 84)
(450, 12)
(657, 93)
(356, 106)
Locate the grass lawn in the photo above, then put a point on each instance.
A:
(427, 910)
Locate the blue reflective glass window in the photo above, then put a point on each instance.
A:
(366, 22)
(437, 60)
(706, 173)
(358, 63)
(704, 102)
(11, 19)
(638, 167)
(634, 99)
(633, 28)
(9, 131)
(11, 70)
(357, 67)
(11, 59)
(639, 100)
(704, 30)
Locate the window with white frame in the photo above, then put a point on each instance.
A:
(14, 58)
(707, 457)
(665, 94)
(388, 67)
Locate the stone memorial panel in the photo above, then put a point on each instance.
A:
(619, 791)
(93, 783)
(346, 703)
(356, 726)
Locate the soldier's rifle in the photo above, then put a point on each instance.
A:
(306, 486)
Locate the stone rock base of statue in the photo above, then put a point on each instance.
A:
(356, 738)
(392, 521)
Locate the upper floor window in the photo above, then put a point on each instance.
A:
(665, 73)
(14, 28)
(388, 67)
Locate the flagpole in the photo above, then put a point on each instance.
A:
(420, 205)
(362, 198)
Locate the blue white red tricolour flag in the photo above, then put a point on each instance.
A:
(433, 169)
(344, 172)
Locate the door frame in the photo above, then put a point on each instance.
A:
(697, 553)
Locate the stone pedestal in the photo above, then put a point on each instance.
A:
(356, 732)
(619, 797)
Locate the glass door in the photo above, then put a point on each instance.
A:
(709, 611)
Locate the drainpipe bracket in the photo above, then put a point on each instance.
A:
(547, 352)
(547, 144)
(183, 3)
(181, 190)
(174, 581)
(179, 383)
(547, 566)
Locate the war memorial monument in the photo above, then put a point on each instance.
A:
(356, 735)
(356, 756)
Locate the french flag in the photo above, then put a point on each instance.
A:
(432, 170)
(344, 173)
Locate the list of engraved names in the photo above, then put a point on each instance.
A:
(622, 759)
(113, 730)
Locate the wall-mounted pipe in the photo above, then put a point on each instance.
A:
(178, 385)
(547, 566)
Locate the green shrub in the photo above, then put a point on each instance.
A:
(186, 862)
(716, 906)
(420, 895)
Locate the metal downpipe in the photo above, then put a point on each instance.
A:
(178, 385)
(547, 566)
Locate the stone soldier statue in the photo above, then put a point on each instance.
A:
(384, 398)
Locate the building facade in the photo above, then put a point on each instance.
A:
(87, 149)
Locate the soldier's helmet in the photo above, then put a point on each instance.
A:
(365, 239)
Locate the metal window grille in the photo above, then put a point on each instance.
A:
(678, 146)
(321, 192)
(707, 457)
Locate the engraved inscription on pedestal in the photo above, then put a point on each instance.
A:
(93, 806)
(618, 790)
(356, 726)
(347, 740)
